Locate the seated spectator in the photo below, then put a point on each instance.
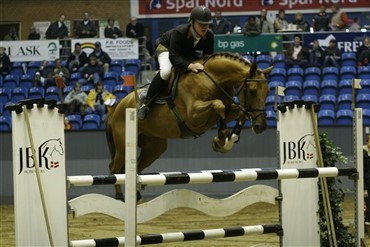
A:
(265, 25)
(321, 21)
(92, 73)
(339, 20)
(56, 73)
(251, 28)
(67, 124)
(316, 55)
(5, 64)
(297, 55)
(12, 35)
(57, 30)
(41, 78)
(96, 98)
(76, 100)
(86, 28)
(101, 56)
(220, 25)
(33, 35)
(111, 31)
(77, 59)
(332, 55)
(363, 53)
(280, 22)
(355, 26)
(301, 23)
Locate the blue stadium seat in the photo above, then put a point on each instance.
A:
(74, 77)
(293, 88)
(364, 72)
(330, 73)
(33, 67)
(326, 117)
(17, 68)
(279, 61)
(110, 78)
(109, 88)
(26, 81)
(270, 102)
(344, 101)
(87, 88)
(6, 112)
(277, 74)
(5, 94)
(91, 121)
(344, 117)
(273, 85)
(365, 86)
(52, 93)
(133, 65)
(345, 87)
(116, 66)
(311, 87)
(263, 61)
(249, 58)
(119, 92)
(75, 120)
(329, 87)
(10, 81)
(327, 102)
(102, 122)
(347, 72)
(290, 98)
(36, 93)
(366, 117)
(349, 59)
(363, 101)
(271, 118)
(295, 74)
(19, 93)
(310, 98)
(5, 123)
(312, 73)
(66, 90)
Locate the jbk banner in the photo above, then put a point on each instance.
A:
(47, 128)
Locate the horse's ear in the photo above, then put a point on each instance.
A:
(253, 70)
(267, 70)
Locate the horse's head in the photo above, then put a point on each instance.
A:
(252, 97)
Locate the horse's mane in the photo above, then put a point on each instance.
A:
(229, 55)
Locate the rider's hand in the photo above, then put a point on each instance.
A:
(195, 67)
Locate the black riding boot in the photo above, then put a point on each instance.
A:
(153, 91)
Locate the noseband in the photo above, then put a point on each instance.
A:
(247, 111)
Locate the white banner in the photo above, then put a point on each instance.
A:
(41, 27)
(48, 133)
(31, 50)
(122, 48)
(298, 150)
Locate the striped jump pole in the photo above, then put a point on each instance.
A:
(183, 236)
(205, 177)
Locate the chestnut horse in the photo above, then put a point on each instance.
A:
(201, 101)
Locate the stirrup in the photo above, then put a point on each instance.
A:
(143, 111)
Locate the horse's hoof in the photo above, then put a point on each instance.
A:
(119, 196)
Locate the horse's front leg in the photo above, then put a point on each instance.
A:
(202, 109)
(219, 140)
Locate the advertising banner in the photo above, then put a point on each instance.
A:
(31, 50)
(122, 48)
(181, 8)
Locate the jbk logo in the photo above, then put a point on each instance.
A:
(299, 151)
(48, 155)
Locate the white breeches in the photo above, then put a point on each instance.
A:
(165, 65)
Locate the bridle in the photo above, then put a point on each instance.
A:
(247, 111)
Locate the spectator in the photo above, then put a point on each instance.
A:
(332, 55)
(5, 64)
(302, 25)
(321, 21)
(96, 98)
(111, 31)
(265, 25)
(33, 35)
(86, 28)
(316, 55)
(56, 73)
(297, 55)
(77, 59)
(57, 30)
(280, 22)
(339, 20)
(12, 35)
(67, 124)
(366, 154)
(92, 73)
(355, 26)
(134, 29)
(102, 57)
(363, 53)
(220, 25)
(250, 27)
(76, 100)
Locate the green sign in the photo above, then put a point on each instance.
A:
(243, 44)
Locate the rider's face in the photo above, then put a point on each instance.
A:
(200, 29)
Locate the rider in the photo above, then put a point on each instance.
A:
(179, 47)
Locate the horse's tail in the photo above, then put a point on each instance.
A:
(108, 130)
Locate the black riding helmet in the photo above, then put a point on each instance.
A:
(201, 14)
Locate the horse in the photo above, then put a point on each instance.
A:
(201, 101)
